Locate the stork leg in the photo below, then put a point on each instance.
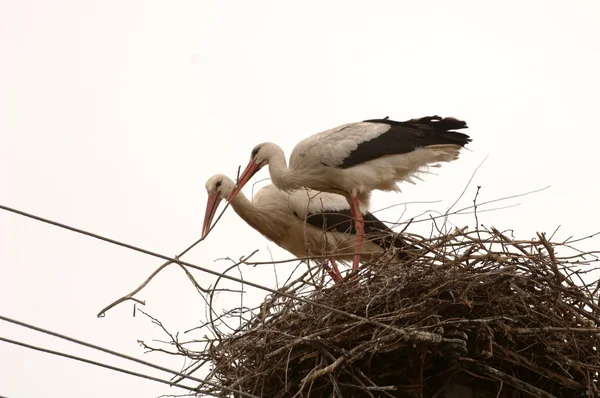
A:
(333, 271)
(337, 272)
(359, 223)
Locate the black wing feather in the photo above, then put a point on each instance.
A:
(342, 221)
(404, 137)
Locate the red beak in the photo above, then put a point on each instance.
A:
(250, 170)
(211, 208)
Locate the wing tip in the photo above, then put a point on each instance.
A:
(443, 123)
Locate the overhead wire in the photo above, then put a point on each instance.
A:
(402, 332)
(406, 334)
(96, 363)
(109, 351)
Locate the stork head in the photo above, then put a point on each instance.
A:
(263, 153)
(217, 187)
(260, 157)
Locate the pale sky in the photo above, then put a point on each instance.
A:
(113, 114)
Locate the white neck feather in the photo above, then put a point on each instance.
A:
(246, 210)
(282, 176)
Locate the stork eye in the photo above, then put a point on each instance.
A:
(255, 152)
(219, 183)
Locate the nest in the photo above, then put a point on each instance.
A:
(471, 314)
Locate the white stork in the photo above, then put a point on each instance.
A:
(356, 158)
(280, 217)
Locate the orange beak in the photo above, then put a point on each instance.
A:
(249, 171)
(211, 208)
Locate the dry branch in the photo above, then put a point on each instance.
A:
(505, 314)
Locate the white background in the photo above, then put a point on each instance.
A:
(114, 113)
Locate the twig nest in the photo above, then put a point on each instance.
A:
(472, 314)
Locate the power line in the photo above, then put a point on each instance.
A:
(402, 332)
(102, 365)
(108, 351)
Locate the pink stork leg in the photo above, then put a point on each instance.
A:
(359, 223)
(334, 272)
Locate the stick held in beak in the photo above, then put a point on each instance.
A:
(211, 209)
(249, 171)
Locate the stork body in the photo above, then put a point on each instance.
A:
(356, 158)
(303, 222)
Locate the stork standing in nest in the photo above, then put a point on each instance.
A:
(354, 159)
(303, 222)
